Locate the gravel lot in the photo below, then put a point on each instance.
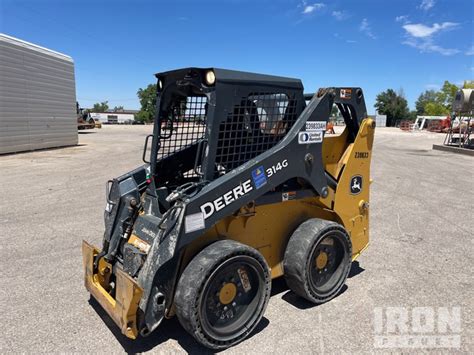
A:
(421, 251)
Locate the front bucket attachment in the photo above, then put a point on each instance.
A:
(122, 309)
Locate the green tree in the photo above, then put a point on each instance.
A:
(437, 103)
(143, 116)
(117, 108)
(393, 105)
(423, 99)
(101, 107)
(435, 109)
(446, 94)
(147, 99)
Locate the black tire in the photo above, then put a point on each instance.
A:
(317, 260)
(226, 280)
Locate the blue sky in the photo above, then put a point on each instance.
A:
(117, 46)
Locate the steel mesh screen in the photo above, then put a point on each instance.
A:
(255, 125)
(185, 125)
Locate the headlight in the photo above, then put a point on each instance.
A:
(210, 78)
(160, 84)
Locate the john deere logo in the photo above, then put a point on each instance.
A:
(356, 184)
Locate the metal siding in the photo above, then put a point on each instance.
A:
(37, 98)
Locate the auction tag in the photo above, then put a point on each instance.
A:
(315, 125)
(194, 222)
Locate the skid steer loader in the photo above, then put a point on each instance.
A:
(239, 186)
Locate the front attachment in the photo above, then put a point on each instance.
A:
(123, 308)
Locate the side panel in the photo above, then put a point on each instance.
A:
(266, 228)
(352, 196)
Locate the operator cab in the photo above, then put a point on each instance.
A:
(210, 121)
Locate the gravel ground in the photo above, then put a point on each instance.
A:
(420, 254)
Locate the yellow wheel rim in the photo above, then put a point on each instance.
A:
(227, 293)
(321, 260)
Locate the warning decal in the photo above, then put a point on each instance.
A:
(346, 94)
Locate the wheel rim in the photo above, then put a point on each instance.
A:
(327, 261)
(231, 298)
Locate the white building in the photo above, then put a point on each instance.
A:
(380, 120)
(121, 117)
(37, 97)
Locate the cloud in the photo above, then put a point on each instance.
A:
(470, 51)
(427, 45)
(365, 28)
(425, 5)
(308, 9)
(340, 15)
(420, 36)
(350, 41)
(402, 18)
(419, 30)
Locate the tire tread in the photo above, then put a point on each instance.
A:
(192, 281)
(297, 253)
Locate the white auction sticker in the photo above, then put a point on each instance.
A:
(194, 222)
(315, 125)
(310, 137)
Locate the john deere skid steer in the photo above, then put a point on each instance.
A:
(240, 186)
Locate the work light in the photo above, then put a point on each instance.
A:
(210, 78)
